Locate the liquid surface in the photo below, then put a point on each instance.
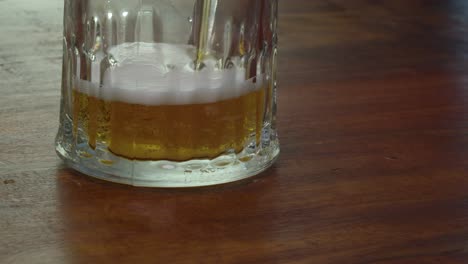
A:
(164, 74)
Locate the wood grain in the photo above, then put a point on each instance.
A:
(374, 129)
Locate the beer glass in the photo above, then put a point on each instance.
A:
(169, 93)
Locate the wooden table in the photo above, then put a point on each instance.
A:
(373, 122)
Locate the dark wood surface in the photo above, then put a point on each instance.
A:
(373, 122)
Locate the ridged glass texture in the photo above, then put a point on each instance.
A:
(169, 93)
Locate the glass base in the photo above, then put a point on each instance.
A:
(102, 164)
(224, 169)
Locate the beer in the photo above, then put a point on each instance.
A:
(151, 113)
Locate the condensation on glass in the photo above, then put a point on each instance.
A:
(169, 93)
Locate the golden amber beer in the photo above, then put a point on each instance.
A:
(170, 132)
(176, 115)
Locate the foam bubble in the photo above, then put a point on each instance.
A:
(161, 74)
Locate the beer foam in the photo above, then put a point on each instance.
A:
(163, 74)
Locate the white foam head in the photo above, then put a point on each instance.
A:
(162, 74)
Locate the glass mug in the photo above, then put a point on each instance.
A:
(169, 93)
